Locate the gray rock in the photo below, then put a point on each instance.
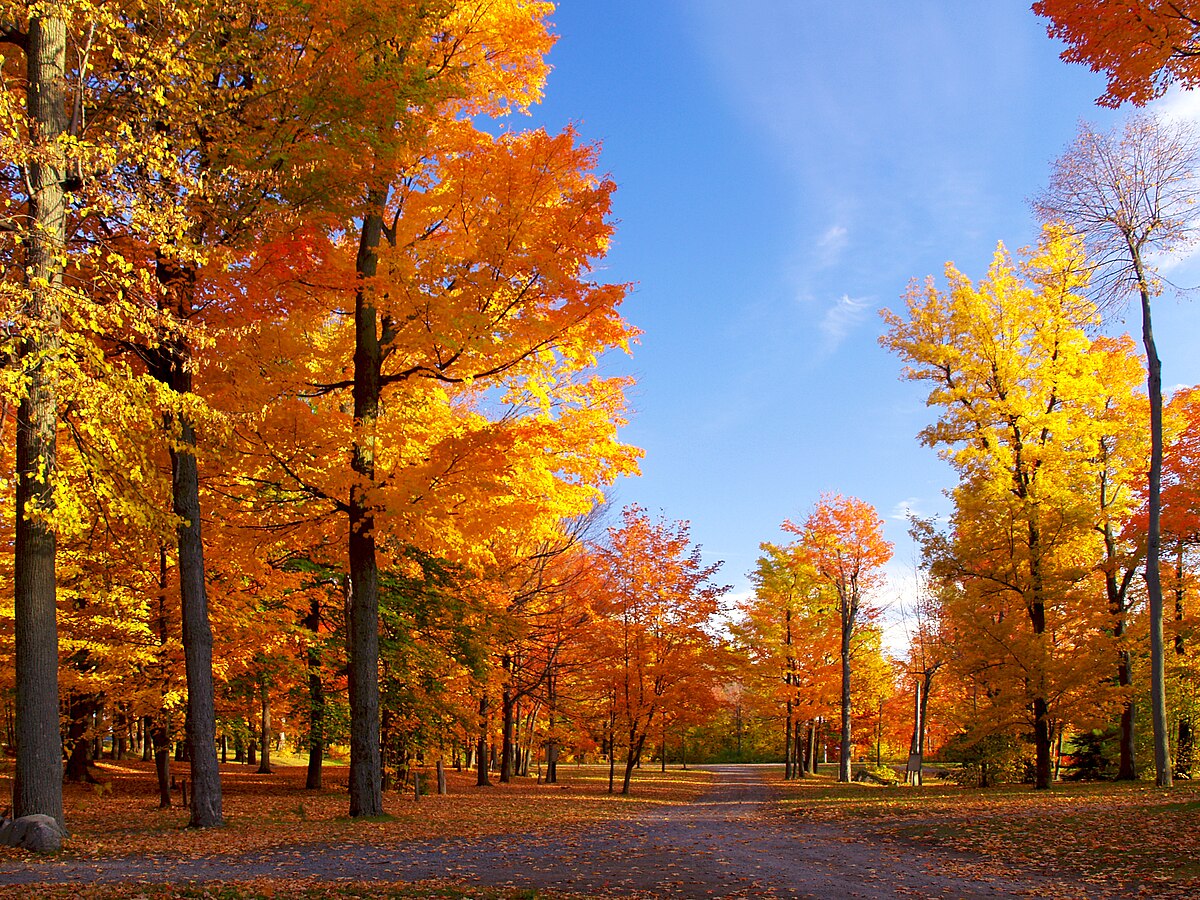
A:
(38, 833)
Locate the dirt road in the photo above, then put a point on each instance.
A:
(733, 842)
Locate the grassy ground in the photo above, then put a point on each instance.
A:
(1102, 833)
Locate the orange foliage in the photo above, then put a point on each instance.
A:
(1143, 46)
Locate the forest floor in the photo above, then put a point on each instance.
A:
(727, 831)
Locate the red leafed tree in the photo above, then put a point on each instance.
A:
(657, 600)
(1142, 46)
(843, 537)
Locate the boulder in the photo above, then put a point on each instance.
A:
(38, 833)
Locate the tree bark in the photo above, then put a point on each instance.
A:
(171, 364)
(481, 752)
(844, 757)
(813, 728)
(161, 741)
(507, 725)
(636, 743)
(1185, 737)
(197, 633)
(789, 749)
(552, 745)
(81, 709)
(37, 784)
(1043, 772)
(1158, 677)
(316, 702)
(264, 696)
(366, 791)
(1117, 590)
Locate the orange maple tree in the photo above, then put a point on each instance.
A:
(842, 539)
(1143, 46)
(654, 640)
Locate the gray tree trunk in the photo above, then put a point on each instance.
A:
(201, 721)
(264, 696)
(1158, 677)
(37, 785)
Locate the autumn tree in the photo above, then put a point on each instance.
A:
(842, 539)
(658, 603)
(789, 637)
(1181, 534)
(1022, 396)
(928, 652)
(1130, 194)
(41, 117)
(1119, 466)
(1143, 47)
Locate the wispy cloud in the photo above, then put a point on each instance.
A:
(831, 245)
(1178, 104)
(909, 506)
(842, 318)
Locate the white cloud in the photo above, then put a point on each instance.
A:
(831, 244)
(910, 506)
(898, 597)
(1177, 104)
(842, 318)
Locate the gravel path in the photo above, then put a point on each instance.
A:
(733, 842)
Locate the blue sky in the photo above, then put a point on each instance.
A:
(785, 167)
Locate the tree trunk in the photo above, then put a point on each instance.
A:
(1185, 739)
(528, 731)
(1158, 678)
(913, 770)
(1186, 748)
(252, 753)
(636, 743)
(197, 634)
(316, 702)
(789, 745)
(264, 696)
(507, 724)
(612, 748)
(1127, 770)
(366, 796)
(844, 767)
(552, 747)
(1041, 706)
(481, 752)
(81, 709)
(1117, 591)
(162, 761)
(172, 365)
(813, 728)
(37, 783)
(120, 736)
